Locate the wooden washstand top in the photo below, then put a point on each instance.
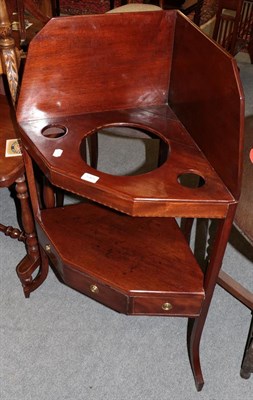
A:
(81, 76)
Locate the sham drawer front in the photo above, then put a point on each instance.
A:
(175, 305)
(95, 289)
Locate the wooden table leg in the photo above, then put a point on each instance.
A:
(247, 362)
(196, 325)
(26, 268)
(33, 259)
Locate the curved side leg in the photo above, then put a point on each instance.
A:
(193, 343)
(196, 325)
(27, 267)
(247, 366)
(247, 362)
(33, 259)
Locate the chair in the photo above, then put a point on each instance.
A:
(40, 10)
(244, 224)
(186, 6)
(234, 31)
(12, 168)
(233, 28)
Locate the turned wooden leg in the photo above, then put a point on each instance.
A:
(32, 260)
(196, 325)
(247, 362)
(13, 233)
(27, 218)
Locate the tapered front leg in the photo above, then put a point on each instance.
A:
(196, 325)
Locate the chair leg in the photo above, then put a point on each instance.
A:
(21, 20)
(197, 15)
(250, 49)
(247, 362)
(196, 325)
(13, 233)
(32, 260)
(27, 218)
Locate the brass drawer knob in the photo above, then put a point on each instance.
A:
(167, 306)
(94, 289)
(48, 247)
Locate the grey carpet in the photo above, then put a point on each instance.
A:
(60, 344)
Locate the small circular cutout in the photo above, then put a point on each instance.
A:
(191, 180)
(54, 131)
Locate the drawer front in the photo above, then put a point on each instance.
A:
(179, 305)
(95, 289)
(82, 282)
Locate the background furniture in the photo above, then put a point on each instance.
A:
(187, 7)
(12, 168)
(39, 11)
(35, 13)
(234, 25)
(234, 31)
(144, 265)
(244, 223)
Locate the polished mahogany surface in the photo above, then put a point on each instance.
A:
(202, 105)
(114, 79)
(156, 72)
(12, 167)
(157, 193)
(130, 84)
(123, 260)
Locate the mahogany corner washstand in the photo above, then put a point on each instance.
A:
(156, 72)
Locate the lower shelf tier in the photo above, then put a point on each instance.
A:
(134, 265)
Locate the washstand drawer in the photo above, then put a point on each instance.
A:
(179, 305)
(95, 289)
(82, 282)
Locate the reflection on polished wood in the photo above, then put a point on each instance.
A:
(122, 245)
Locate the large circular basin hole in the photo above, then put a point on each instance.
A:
(54, 131)
(191, 180)
(124, 151)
